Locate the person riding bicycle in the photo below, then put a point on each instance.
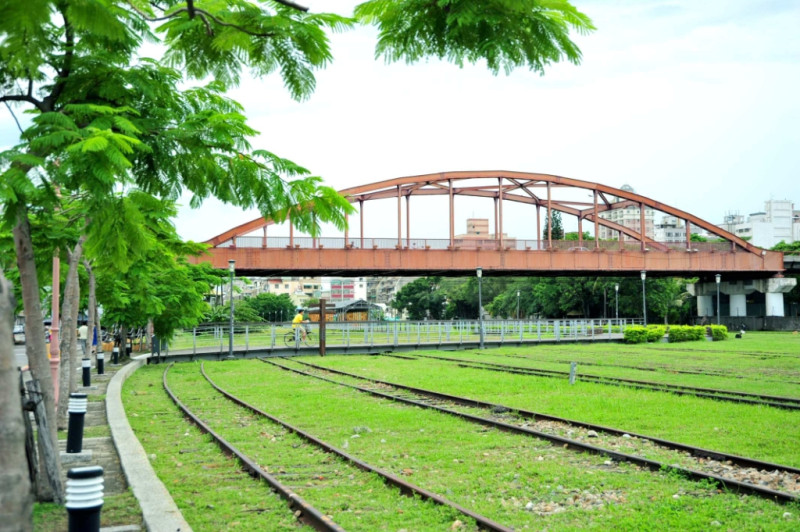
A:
(297, 321)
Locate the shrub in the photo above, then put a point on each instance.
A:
(719, 333)
(686, 333)
(635, 334)
(655, 333)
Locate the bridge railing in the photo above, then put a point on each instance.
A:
(214, 338)
(281, 242)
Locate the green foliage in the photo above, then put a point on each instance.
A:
(698, 238)
(421, 299)
(792, 248)
(635, 334)
(506, 33)
(558, 229)
(270, 307)
(656, 332)
(575, 236)
(686, 333)
(243, 312)
(719, 333)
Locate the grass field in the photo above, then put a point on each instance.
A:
(516, 480)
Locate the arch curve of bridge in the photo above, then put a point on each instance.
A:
(549, 193)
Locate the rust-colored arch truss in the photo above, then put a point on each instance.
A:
(548, 193)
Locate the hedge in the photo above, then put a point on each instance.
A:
(686, 333)
(719, 333)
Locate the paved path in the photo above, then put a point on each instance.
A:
(159, 513)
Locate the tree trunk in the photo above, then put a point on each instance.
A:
(68, 376)
(92, 307)
(35, 346)
(16, 502)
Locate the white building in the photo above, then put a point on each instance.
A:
(777, 222)
(629, 217)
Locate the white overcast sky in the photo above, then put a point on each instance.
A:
(692, 103)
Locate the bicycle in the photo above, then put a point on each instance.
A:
(289, 338)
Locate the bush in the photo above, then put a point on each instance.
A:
(655, 333)
(719, 333)
(686, 333)
(635, 334)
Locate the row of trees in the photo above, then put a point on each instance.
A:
(547, 297)
(115, 138)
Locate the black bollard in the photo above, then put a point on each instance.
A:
(84, 498)
(115, 355)
(77, 411)
(101, 358)
(86, 364)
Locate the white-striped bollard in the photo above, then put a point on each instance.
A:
(86, 364)
(101, 358)
(77, 411)
(115, 355)
(84, 498)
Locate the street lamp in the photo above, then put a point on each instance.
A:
(517, 305)
(232, 269)
(479, 272)
(616, 302)
(644, 298)
(719, 278)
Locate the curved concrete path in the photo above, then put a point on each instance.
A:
(160, 512)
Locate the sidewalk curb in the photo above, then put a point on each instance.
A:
(160, 512)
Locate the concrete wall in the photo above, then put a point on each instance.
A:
(761, 323)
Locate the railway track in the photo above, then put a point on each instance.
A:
(405, 488)
(665, 369)
(788, 403)
(773, 481)
(303, 511)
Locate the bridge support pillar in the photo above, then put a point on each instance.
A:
(705, 306)
(738, 305)
(773, 289)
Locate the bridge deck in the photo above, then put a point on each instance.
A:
(462, 262)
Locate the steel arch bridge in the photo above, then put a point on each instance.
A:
(629, 251)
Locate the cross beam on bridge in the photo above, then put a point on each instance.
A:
(630, 252)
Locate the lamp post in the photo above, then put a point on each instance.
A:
(719, 278)
(616, 302)
(644, 298)
(479, 272)
(232, 269)
(517, 305)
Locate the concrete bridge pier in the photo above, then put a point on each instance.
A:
(773, 289)
(705, 305)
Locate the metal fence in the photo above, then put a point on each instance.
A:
(303, 242)
(215, 338)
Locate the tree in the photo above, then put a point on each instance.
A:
(271, 306)
(558, 229)
(105, 119)
(421, 299)
(15, 500)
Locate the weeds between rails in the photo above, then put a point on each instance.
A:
(664, 368)
(405, 488)
(334, 470)
(576, 445)
(304, 512)
(788, 403)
